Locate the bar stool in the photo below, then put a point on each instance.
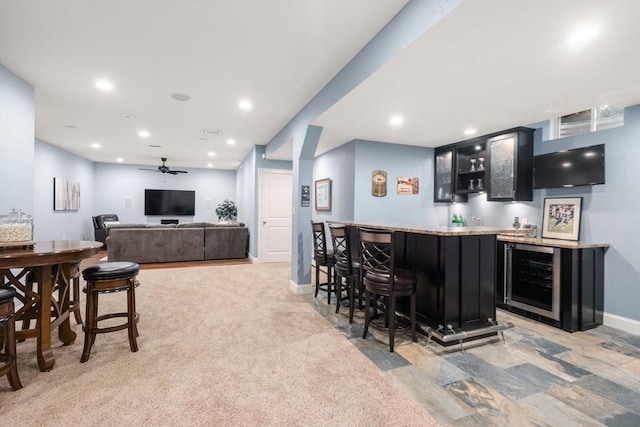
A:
(105, 278)
(345, 267)
(381, 277)
(323, 258)
(8, 365)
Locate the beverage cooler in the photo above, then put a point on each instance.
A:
(532, 279)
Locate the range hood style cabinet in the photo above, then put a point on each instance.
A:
(500, 164)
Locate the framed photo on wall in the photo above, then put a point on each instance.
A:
(561, 218)
(66, 195)
(323, 194)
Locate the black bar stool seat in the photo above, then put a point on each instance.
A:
(106, 278)
(8, 364)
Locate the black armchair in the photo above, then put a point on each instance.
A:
(99, 229)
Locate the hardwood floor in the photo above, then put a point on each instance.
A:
(96, 259)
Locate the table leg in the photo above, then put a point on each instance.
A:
(65, 333)
(44, 353)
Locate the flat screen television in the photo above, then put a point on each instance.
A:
(570, 168)
(169, 202)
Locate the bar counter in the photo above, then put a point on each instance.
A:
(456, 272)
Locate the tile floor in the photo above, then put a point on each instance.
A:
(539, 376)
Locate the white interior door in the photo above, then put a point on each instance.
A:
(275, 200)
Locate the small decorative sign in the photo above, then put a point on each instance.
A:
(378, 183)
(408, 185)
(305, 192)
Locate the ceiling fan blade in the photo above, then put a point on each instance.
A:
(151, 170)
(175, 172)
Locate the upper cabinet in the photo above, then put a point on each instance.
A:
(500, 164)
(444, 179)
(510, 166)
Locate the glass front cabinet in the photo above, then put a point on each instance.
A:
(500, 164)
(444, 179)
(510, 167)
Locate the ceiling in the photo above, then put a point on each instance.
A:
(489, 65)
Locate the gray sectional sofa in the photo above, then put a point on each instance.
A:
(149, 243)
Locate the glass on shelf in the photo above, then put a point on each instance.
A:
(473, 165)
(481, 165)
(480, 185)
(471, 186)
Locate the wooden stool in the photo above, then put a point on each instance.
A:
(8, 364)
(107, 278)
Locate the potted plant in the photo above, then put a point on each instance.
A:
(227, 211)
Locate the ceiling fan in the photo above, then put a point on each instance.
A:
(164, 168)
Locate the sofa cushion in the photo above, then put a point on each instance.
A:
(194, 225)
(161, 226)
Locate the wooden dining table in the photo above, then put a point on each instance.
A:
(48, 264)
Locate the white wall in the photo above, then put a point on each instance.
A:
(53, 162)
(117, 184)
(17, 120)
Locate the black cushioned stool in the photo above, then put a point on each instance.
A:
(106, 278)
(8, 364)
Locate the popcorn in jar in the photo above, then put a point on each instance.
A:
(15, 232)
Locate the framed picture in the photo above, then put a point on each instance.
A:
(66, 195)
(323, 194)
(561, 218)
(408, 185)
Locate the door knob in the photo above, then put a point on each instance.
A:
(264, 222)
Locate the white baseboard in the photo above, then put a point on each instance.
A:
(305, 288)
(254, 260)
(623, 323)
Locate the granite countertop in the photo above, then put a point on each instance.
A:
(555, 243)
(435, 230)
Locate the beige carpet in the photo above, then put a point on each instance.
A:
(219, 346)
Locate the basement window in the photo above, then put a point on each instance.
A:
(592, 120)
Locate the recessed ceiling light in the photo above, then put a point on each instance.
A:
(231, 141)
(119, 159)
(211, 154)
(144, 134)
(180, 97)
(209, 165)
(245, 105)
(470, 131)
(582, 34)
(396, 120)
(104, 85)
(478, 147)
(589, 154)
(566, 164)
(95, 144)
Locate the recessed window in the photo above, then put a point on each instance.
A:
(592, 120)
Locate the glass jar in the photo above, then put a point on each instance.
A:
(16, 227)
